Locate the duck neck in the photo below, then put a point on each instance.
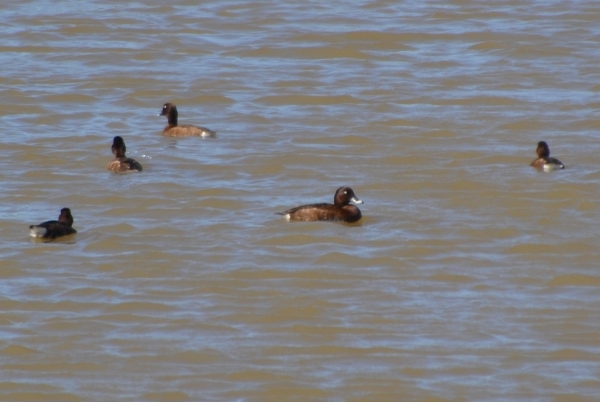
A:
(172, 118)
(118, 152)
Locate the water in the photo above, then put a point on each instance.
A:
(471, 276)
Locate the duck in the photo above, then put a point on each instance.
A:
(544, 162)
(121, 163)
(53, 229)
(173, 130)
(340, 210)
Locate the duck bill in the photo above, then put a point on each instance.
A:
(356, 200)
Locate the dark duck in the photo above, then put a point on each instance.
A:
(174, 130)
(121, 163)
(53, 229)
(544, 161)
(340, 210)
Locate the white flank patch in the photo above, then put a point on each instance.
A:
(37, 231)
(548, 167)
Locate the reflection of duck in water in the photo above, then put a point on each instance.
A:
(173, 130)
(544, 161)
(54, 229)
(121, 163)
(340, 210)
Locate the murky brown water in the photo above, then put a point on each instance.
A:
(471, 277)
